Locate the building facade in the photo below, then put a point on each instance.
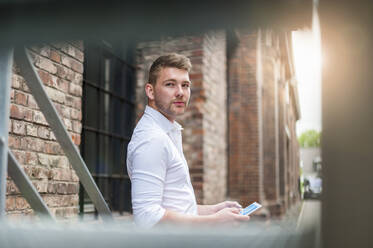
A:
(239, 131)
(263, 109)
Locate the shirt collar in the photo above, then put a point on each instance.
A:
(162, 121)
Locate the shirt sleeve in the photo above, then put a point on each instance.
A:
(148, 172)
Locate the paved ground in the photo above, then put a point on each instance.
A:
(310, 219)
(310, 214)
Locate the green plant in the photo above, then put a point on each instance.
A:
(310, 138)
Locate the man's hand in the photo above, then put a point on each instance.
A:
(230, 216)
(226, 216)
(212, 209)
(227, 204)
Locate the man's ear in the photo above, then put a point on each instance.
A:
(149, 90)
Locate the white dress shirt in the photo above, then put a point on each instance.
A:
(158, 170)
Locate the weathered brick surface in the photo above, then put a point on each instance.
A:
(244, 170)
(214, 129)
(263, 157)
(60, 67)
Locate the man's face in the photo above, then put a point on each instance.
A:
(171, 92)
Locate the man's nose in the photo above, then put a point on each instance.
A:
(179, 91)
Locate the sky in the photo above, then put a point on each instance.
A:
(308, 64)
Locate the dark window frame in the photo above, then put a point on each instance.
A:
(108, 107)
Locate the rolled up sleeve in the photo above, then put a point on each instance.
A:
(147, 169)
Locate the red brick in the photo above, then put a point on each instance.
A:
(10, 203)
(52, 148)
(20, 156)
(77, 126)
(196, 76)
(30, 158)
(31, 130)
(55, 95)
(79, 55)
(11, 188)
(68, 124)
(75, 90)
(52, 188)
(61, 71)
(32, 144)
(20, 98)
(31, 103)
(77, 103)
(21, 203)
(197, 53)
(60, 174)
(70, 74)
(38, 118)
(45, 77)
(65, 111)
(19, 127)
(69, 101)
(61, 188)
(77, 66)
(25, 87)
(17, 81)
(76, 139)
(55, 56)
(43, 132)
(63, 85)
(14, 142)
(76, 114)
(51, 200)
(19, 112)
(45, 64)
(73, 188)
(41, 186)
(74, 176)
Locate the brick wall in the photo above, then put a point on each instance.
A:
(60, 67)
(263, 148)
(204, 134)
(294, 160)
(215, 118)
(244, 167)
(280, 144)
(270, 82)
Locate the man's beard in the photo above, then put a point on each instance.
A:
(167, 108)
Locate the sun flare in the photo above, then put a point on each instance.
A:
(308, 67)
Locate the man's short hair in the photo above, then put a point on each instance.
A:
(170, 60)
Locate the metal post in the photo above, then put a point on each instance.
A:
(27, 188)
(347, 121)
(35, 84)
(6, 63)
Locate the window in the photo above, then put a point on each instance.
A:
(108, 121)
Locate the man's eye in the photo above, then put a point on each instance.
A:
(170, 84)
(186, 85)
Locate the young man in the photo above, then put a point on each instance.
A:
(161, 186)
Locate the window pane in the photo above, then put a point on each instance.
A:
(108, 119)
(90, 102)
(90, 147)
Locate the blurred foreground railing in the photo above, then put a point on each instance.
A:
(16, 172)
(125, 234)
